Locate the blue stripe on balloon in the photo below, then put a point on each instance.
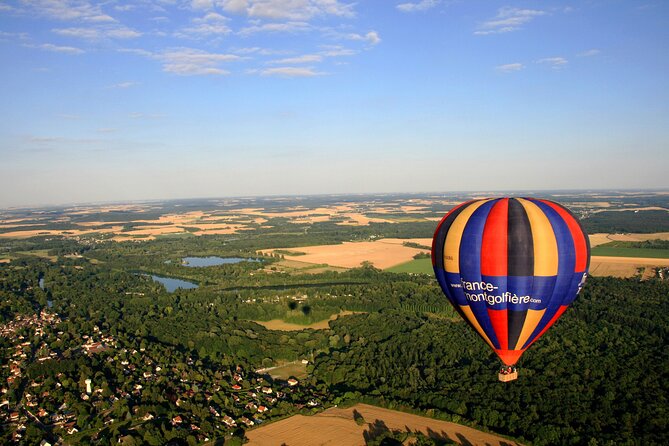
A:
(470, 264)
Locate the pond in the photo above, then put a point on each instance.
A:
(41, 282)
(171, 284)
(200, 262)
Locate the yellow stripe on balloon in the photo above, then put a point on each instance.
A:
(532, 319)
(466, 309)
(543, 236)
(454, 236)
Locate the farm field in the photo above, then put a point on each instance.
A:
(621, 251)
(623, 266)
(602, 238)
(416, 266)
(337, 426)
(383, 253)
(297, 267)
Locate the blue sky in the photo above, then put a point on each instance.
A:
(116, 100)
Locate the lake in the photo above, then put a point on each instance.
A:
(200, 262)
(171, 284)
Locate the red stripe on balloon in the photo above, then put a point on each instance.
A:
(580, 244)
(494, 244)
(500, 323)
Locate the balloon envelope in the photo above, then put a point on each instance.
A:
(510, 267)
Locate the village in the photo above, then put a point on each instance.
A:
(95, 384)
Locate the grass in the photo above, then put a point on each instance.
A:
(43, 253)
(416, 266)
(296, 369)
(615, 249)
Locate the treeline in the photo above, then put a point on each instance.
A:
(627, 221)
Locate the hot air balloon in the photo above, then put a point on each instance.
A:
(510, 267)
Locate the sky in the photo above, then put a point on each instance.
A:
(158, 99)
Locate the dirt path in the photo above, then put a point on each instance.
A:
(337, 426)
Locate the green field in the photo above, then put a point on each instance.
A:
(417, 266)
(617, 249)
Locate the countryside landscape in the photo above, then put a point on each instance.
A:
(334, 222)
(313, 320)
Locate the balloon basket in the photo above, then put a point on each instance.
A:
(506, 377)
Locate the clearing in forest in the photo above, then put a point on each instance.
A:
(337, 426)
(278, 324)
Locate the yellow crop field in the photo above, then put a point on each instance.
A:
(382, 253)
(337, 427)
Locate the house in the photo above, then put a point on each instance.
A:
(266, 390)
(148, 416)
(246, 421)
(236, 387)
(262, 409)
(229, 421)
(177, 420)
(292, 382)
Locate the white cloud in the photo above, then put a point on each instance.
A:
(589, 53)
(211, 24)
(98, 33)
(287, 9)
(510, 67)
(371, 37)
(4, 35)
(69, 10)
(307, 58)
(202, 4)
(57, 48)
(261, 51)
(337, 51)
(507, 20)
(124, 8)
(423, 5)
(286, 27)
(190, 61)
(291, 72)
(554, 62)
(124, 85)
